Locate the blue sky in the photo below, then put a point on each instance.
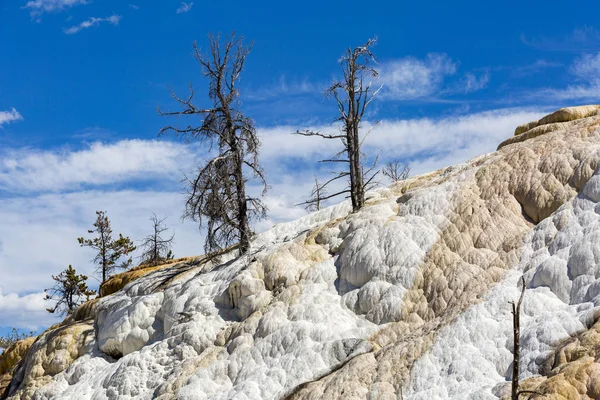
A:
(80, 81)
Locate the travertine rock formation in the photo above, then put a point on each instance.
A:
(9, 360)
(407, 298)
(562, 119)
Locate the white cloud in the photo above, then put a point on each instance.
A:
(39, 231)
(25, 312)
(531, 69)
(51, 223)
(472, 83)
(428, 144)
(38, 7)
(93, 21)
(409, 139)
(587, 67)
(428, 79)
(185, 7)
(411, 78)
(286, 86)
(589, 92)
(9, 116)
(32, 170)
(586, 71)
(586, 38)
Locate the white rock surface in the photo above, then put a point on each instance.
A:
(408, 295)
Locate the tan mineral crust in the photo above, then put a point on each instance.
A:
(407, 298)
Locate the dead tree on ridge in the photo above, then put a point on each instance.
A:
(352, 95)
(156, 249)
(315, 201)
(396, 171)
(216, 194)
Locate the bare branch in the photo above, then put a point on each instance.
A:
(327, 197)
(334, 160)
(312, 133)
(369, 132)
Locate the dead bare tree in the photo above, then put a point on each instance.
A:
(155, 249)
(396, 171)
(216, 195)
(516, 313)
(316, 197)
(352, 95)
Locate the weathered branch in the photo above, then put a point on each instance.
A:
(334, 160)
(326, 197)
(312, 133)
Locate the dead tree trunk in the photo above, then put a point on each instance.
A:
(244, 225)
(516, 312)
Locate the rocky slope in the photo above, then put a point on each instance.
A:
(407, 298)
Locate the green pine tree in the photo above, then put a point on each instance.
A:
(110, 251)
(69, 291)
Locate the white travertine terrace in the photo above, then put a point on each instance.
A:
(409, 295)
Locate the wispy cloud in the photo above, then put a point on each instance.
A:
(9, 116)
(135, 7)
(38, 7)
(93, 133)
(113, 19)
(581, 39)
(471, 83)
(287, 87)
(412, 78)
(587, 66)
(585, 71)
(521, 71)
(185, 7)
(431, 79)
